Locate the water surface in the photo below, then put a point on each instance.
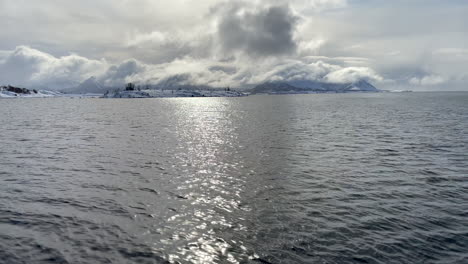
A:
(342, 178)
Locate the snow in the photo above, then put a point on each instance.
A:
(354, 88)
(399, 91)
(172, 93)
(39, 94)
(9, 92)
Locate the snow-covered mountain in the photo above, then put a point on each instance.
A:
(277, 87)
(306, 86)
(362, 86)
(90, 85)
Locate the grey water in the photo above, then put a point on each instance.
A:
(326, 178)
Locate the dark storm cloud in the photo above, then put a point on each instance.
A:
(262, 32)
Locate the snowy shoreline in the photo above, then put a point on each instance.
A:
(45, 94)
(17, 92)
(163, 94)
(91, 88)
(172, 93)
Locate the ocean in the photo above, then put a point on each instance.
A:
(320, 178)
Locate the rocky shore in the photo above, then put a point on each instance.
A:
(9, 91)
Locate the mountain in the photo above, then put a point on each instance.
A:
(277, 87)
(306, 86)
(362, 86)
(91, 85)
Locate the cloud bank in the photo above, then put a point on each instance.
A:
(30, 67)
(25, 66)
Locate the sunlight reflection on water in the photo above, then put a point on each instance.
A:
(213, 182)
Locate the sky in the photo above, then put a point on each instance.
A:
(398, 44)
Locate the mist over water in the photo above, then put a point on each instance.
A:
(329, 178)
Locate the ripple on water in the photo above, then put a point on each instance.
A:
(352, 178)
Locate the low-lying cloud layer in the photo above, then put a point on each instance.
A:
(37, 69)
(233, 43)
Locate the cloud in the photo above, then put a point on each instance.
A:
(427, 80)
(308, 47)
(319, 5)
(240, 73)
(30, 67)
(257, 31)
(352, 74)
(154, 37)
(161, 46)
(120, 74)
(234, 42)
(453, 52)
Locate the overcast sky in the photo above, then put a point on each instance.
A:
(398, 44)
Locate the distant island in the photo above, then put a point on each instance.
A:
(306, 86)
(91, 87)
(302, 87)
(132, 90)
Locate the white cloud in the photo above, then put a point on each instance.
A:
(452, 52)
(427, 80)
(310, 47)
(352, 74)
(154, 37)
(30, 67)
(318, 5)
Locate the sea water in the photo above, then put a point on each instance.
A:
(325, 178)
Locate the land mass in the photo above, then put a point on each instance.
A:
(93, 87)
(305, 86)
(277, 87)
(298, 87)
(14, 92)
